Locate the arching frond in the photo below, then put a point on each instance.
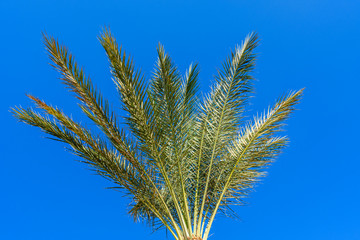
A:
(255, 148)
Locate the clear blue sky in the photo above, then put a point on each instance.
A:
(312, 191)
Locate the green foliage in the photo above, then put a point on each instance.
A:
(184, 160)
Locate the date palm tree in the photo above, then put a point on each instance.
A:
(182, 160)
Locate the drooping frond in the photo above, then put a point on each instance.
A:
(182, 160)
(92, 102)
(97, 110)
(107, 163)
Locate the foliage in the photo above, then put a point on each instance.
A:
(184, 160)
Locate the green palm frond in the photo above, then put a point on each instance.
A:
(219, 118)
(182, 160)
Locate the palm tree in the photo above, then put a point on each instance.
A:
(182, 160)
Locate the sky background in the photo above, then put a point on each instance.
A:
(312, 191)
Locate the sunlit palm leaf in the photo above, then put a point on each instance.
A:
(182, 161)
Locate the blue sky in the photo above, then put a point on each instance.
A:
(312, 191)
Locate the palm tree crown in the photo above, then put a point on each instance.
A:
(183, 160)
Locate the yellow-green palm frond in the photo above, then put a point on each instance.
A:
(218, 120)
(183, 159)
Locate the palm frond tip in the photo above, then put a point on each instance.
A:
(190, 159)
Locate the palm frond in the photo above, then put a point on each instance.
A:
(183, 160)
(221, 113)
(255, 148)
(95, 152)
(141, 119)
